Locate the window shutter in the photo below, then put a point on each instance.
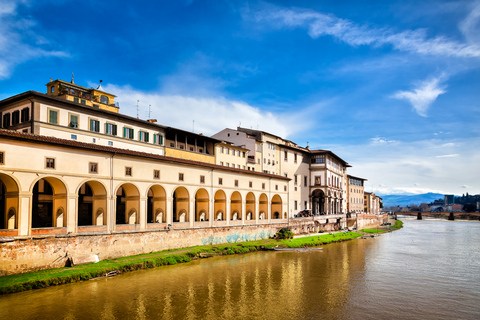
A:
(155, 138)
(114, 130)
(146, 137)
(106, 128)
(97, 126)
(131, 134)
(124, 132)
(161, 139)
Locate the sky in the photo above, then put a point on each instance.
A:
(392, 87)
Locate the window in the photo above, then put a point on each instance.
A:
(158, 139)
(50, 163)
(276, 187)
(263, 186)
(180, 177)
(200, 150)
(227, 164)
(143, 136)
(96, 106)
(6, 120)
(52, 116)
(93, 167)
(238, 166)
(221, 163)
(52, 89)
(73, 121)
(2, 157)
(233, 152)
(15, 117)
(156, 174)
(295, 158)
(110, 143)
(295, 177)
(94, 125)
(83, 101)
(128, 171)
(202, 179)
(305, 181)
(286, 156)
(103, 99)
(236, 183)
(305, 205)
(221, 149)
(191, 148)
(127, 132)
(227, 151)
(220, 181)
(238, 153)
(250, 184)
(111, 129)
(73, 136)
(75, 99)
(233, 165)
(295, 205)
(243, 155)
(259, 147)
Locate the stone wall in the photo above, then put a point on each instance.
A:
(52, 251)
(366, 221)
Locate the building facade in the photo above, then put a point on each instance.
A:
(355, 194)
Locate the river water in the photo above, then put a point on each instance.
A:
(430, 269)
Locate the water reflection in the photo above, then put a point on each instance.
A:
(403, 275)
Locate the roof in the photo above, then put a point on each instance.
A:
(10, 134)
(350, 176)
(69, 84)
(257, 135)
(332, 154)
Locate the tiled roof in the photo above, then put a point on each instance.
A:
(10, 134)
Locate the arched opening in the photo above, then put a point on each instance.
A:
(180, 205)
(49, 203)
(201, 205)
(250, 206)
(127, 204)
(276, 207)
(220, 205)
(92, 202)
(8, 203)
(318, 202)
(236, 206)
(263, 207)
(156, 205)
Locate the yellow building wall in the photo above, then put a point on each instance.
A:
(188, 155)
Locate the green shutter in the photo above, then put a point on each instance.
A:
(146, 137)
(106, 128)
(114, 130)
(154, 138)
(161, 139)
(132, 134)
(53, 116)
(124, 132)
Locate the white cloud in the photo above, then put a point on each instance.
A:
(470, 26)
(423, 96)
(381, 140)
(14, 35)
(210, 114)
(448, 155)
(320, 24)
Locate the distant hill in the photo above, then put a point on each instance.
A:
(409, 199)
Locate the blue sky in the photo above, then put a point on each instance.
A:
(390, 86)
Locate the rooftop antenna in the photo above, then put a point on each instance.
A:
(137, 107)
(100, 85)
(72, 79)
(149, 111)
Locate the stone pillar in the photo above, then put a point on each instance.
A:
(143, 213)
(244, 211)
(24, 213)
(211, 212)
(269, 210)
(228, 213)
(169, 208)
(72, 213)
(191, 212)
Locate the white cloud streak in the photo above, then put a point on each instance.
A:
(210, 114)
(423, 96)
(319, 24)
(15, 33)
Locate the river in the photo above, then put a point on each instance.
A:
(430, 269)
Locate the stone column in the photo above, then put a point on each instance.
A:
(72, 213)
(191, 212)
(228, 213)
(143, 213)
(169, 208)
(24, 213)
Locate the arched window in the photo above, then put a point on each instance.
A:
(104, 99)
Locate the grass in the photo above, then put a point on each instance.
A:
(52, 277)
(398, 225)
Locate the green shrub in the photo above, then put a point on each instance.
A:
(284, 233)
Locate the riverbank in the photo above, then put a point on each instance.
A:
(52, 277)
